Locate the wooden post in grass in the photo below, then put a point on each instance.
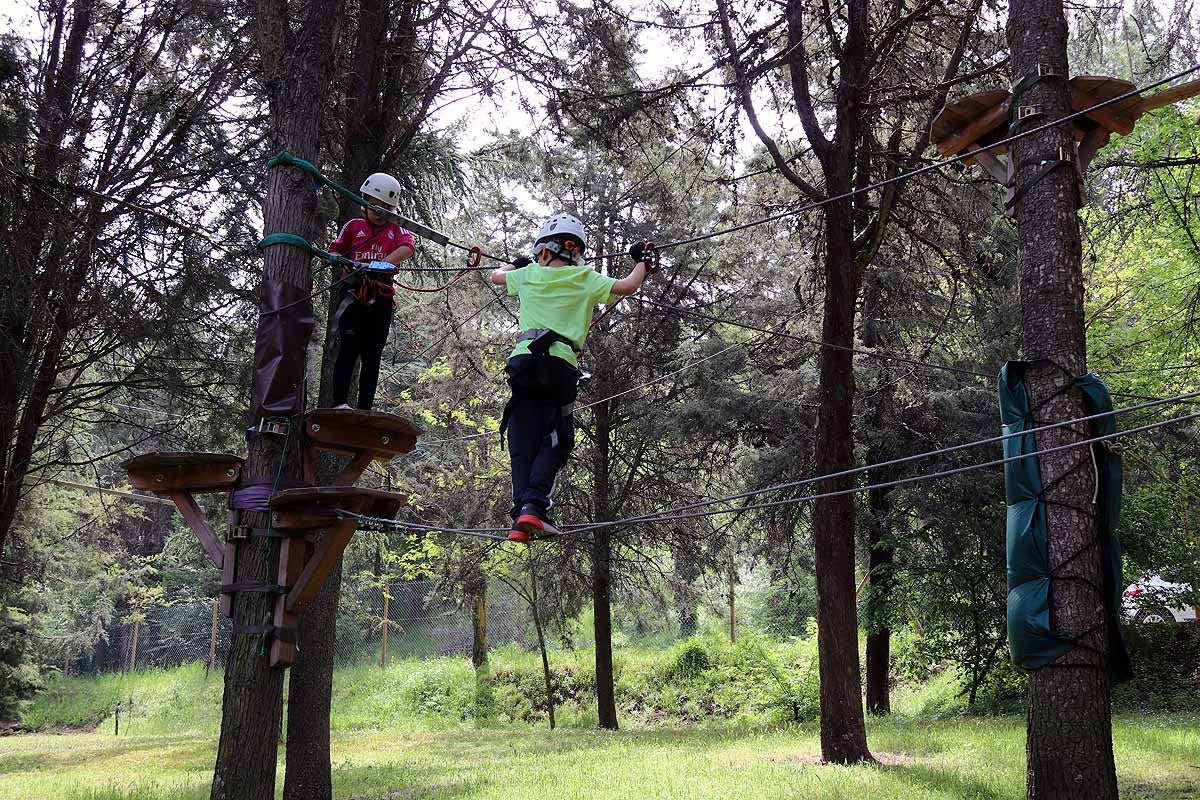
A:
(383, 650)
(212, 637)
(732, 606)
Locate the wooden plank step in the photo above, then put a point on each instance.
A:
(165, 473)
(312, 509)
(350, 432)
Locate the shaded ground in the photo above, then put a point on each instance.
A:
(955, 758)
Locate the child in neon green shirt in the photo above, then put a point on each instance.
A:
(558, 294)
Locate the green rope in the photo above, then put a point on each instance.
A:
(293, 240)
(286, 159)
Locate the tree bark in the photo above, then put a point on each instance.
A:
(843, 729)
(880, 554)
(547, 676)
(479, 619)
(309, 773)
(1069, 742)
(606, 702)
(295, 73)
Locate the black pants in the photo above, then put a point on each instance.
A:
(541, 426)
(362, 332)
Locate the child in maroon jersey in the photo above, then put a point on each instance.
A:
(364, 315)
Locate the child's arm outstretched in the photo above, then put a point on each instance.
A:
(642, 253)
(500, 274)
(631, 282)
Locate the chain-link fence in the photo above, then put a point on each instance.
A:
(409, 619)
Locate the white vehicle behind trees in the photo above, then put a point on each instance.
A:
(1155, 599)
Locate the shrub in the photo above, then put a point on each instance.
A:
(687, 661)
(1166, 668)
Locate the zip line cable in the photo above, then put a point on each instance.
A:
(917, 457)
(875, 353)
(286, 159)
(904, 176)
(491, 533)
(650, 382)
(885, 484)
(687, 511)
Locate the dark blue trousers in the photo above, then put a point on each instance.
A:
(541, 426)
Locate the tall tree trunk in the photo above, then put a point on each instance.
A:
(880, 553)
(879, 634)
(843, 729)
(606, 701)
(295, 71)
(478, 593)
(1069, 742)
(309, 773)
(36, 301)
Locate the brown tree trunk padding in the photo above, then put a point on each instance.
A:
(295, 66)
(1069, 743)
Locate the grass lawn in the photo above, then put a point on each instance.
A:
(951, 758)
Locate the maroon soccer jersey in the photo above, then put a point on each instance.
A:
(359, 240)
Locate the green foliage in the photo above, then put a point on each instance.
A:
(19, 677)
(1166, 668)
(687, 661)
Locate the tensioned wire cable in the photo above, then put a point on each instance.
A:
(652, 381)
(904, 176)
(883, 354)
(686, 512)
(882, 485)
(669, 514)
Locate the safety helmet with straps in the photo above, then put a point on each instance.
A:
(382, 187)
(563, 236)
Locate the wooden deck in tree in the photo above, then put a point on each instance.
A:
(187, 472)
(350, 432)
(299, 511)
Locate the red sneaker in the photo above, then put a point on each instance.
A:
(533, 525)
(516, 535)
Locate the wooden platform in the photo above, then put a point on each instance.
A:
(366, 435)
(974, 123)
(179, 476)
(350, 431)
(189, 472)
(304, 568)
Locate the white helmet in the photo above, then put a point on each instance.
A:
(383, 187)
(556, 235)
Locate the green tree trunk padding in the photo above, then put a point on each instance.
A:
(1031, 638)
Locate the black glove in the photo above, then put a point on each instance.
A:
(637, 251)
(521, 261)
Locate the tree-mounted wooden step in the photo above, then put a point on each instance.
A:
(975, 122)
(366, 435)
(304, 569)
(179, 476)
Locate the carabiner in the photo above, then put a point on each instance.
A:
(474, 257)
(651, 257)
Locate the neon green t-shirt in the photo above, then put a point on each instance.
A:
(561, 299)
